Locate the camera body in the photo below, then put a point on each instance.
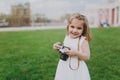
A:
(62, 51)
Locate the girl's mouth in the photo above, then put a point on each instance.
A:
(74, 35)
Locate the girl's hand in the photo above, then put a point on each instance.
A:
(55, 45)
(71, 52)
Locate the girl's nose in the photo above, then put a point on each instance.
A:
(74, 30)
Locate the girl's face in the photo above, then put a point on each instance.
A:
(75, 28)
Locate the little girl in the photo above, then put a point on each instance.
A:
(77, 38)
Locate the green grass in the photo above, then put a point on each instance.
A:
(28, 55)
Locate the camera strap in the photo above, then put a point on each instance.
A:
(78, 48)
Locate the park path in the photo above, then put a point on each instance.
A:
(30, 28)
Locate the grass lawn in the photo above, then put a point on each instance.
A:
(28, 55)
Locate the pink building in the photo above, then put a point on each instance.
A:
(107, 14)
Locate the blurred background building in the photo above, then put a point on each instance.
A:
(24, 14)
(21, 10)
(104, 15)
(20, 15)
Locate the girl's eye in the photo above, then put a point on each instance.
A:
(72, 26)
(79, 28)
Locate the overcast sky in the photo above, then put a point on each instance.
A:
(51, 8)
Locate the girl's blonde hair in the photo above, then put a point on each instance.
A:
(86, 30)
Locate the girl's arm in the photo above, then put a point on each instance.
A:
(85, 55)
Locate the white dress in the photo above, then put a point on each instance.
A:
(64, 72)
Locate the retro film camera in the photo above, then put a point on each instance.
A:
(62, 50)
